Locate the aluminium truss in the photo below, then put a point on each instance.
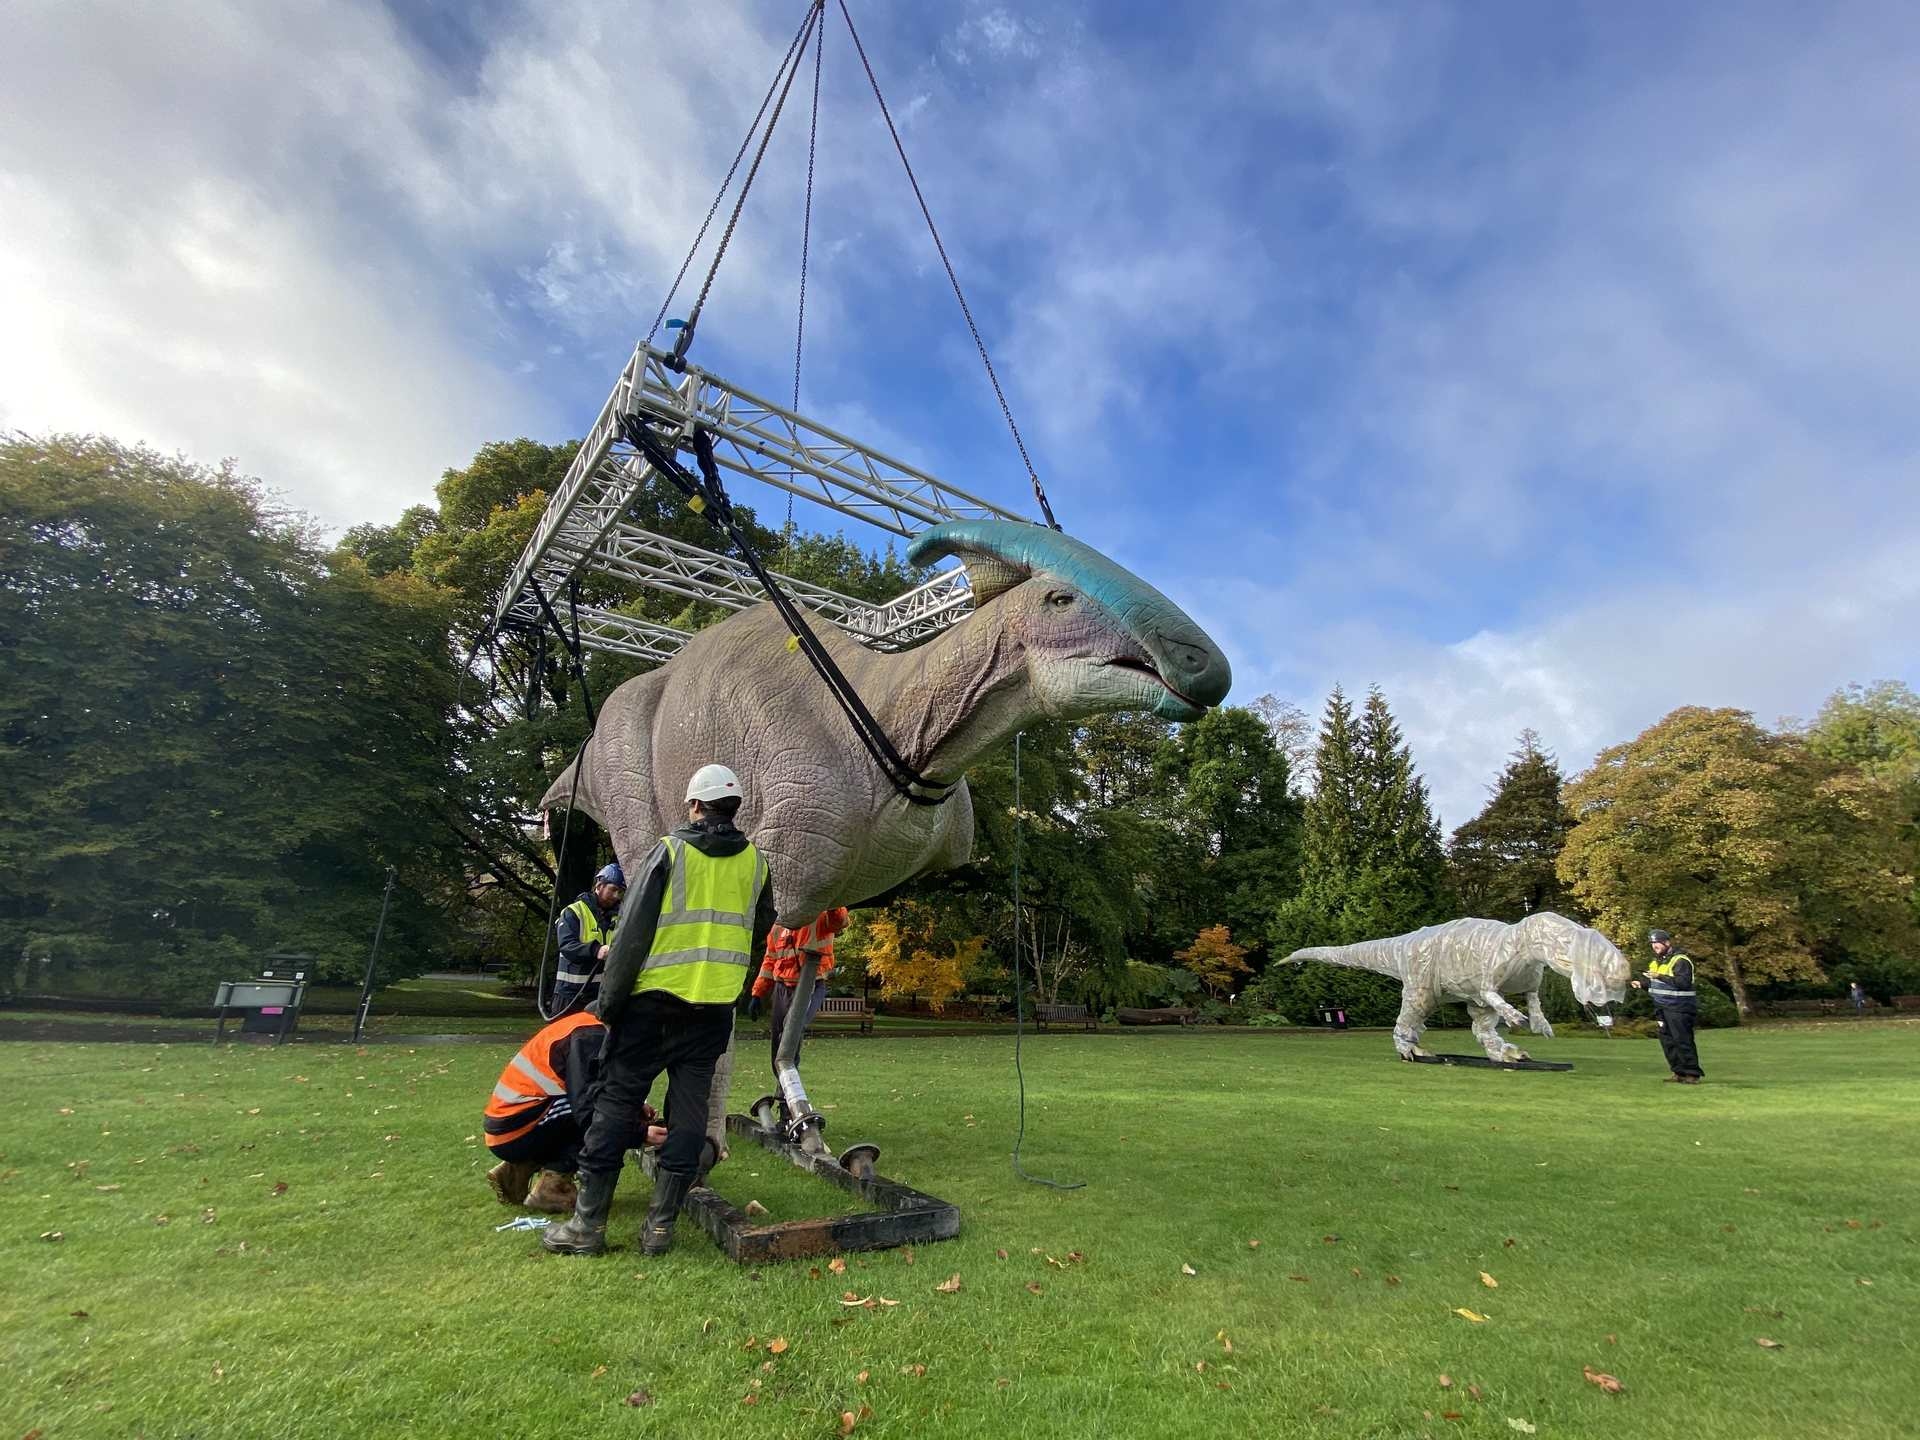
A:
(586, 526)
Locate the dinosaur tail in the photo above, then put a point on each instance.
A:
(1378, 956)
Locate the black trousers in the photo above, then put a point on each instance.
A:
(656, 1033)
(1676, 1039)
(552, 1144)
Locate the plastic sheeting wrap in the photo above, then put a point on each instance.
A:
(1480, 962)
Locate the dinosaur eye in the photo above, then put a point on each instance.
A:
(1059, 599)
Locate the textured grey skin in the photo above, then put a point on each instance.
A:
(1480, 962)
(1040, 643)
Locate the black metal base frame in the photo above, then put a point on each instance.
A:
(902, 1215)
(1482, 1062)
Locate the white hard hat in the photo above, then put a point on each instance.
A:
(713, 782)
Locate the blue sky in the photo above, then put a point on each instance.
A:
(1547, 365)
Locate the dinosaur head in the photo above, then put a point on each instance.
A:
(1593, 964)
(1095, 637)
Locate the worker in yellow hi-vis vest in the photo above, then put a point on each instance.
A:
(695, 920)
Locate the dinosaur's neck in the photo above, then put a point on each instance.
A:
(947, 702)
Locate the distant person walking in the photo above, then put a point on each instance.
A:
(1859, 999)
(1669, 980)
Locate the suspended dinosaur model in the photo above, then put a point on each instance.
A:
(1481, 962)
(1058, 631)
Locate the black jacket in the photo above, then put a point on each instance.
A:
(577, 957)
(640, 914)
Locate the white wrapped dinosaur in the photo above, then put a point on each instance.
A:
(1058, 631)
(1481, 962)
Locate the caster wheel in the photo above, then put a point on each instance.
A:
(860, 1161)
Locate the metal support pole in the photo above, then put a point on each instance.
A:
(373, 957)
(804, 1123)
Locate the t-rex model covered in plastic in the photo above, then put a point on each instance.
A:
(1058, 631)
(1479, 962)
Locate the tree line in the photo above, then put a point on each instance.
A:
(222, 733)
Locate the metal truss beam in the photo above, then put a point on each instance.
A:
(584, 526)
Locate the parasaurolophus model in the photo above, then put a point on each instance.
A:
(1058, 631)
(1481, 962)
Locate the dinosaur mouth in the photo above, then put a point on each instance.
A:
(1146, 667)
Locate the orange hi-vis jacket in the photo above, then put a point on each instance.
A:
(787, 948)
(550, 1073)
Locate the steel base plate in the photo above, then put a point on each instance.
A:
(901, 1214)
(1481, 1062)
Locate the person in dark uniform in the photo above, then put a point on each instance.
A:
(1669, 981)
(585, 929)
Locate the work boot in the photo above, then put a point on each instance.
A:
(586, 1232)
(510, 1180)
(553, 1193)
(669, 1192)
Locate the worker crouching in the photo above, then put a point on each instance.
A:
(699, 911)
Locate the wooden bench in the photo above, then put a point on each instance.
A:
(1803, 1007)
(850, 1007)
(1169, 1015)
(1045, 1015)
(1906, 1002)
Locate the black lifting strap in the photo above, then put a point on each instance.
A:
(708, 498)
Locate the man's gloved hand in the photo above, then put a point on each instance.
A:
(753, 1007)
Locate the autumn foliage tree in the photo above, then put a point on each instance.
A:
(903, 948)
(1762, 856)
(1215, 958)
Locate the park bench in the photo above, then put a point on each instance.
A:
(850, 1007)
(267, 1006)
(1167, 1015)
(1803, 1007)
(1045, 1015)
(1906, 1002)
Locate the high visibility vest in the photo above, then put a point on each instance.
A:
(592, 932)
(703, 942)
(1664, 985)
(531, 1083)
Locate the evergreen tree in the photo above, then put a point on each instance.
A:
(1503, 859)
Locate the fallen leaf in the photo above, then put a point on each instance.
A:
(949, 1285)
(1507, 1244)
(753, 1343)
(1001, 1383)
(598, 1371)
(219, 1371)
(1466, 1314)
(750, 1398)
(639, 1398)
(1188, 1270)
(52, 1235)
(1853, 1224)
(1488, 1281)
(907, 1255)
(1253, 1244)
(813, 1272)
(914, 1370)
(861, 1378)
(163, 1219)
(68, 1110)
(1033, 1287)
(1450, 1415)
(1863, 1281)
(1057, 1264)
(1329, 1239)
(1221, 1385)
(847, 1421)
(1474, 1391)
(279, 1187)
(766, 1367)
(883, 1300)
(207, 1216)
(1727, 1229)
(754, 1207)
(1225, 1343)
(1613, 1339)
(106, 1189)
(1523, 1426)
(1446, 1381)
(837, 1265)
(1608, 1383)
(1000, 1254)
(1354, 1271)
(1766, 1344)
(777, 1345)
(1301, 1278)
(1392, 1279)
(1200, 1367)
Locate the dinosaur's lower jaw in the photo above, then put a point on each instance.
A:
(1169, 704)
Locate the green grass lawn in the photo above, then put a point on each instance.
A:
(298, 1243)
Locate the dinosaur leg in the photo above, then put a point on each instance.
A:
(1536, 1017)
(1486, 1029)
(1415, 1006)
